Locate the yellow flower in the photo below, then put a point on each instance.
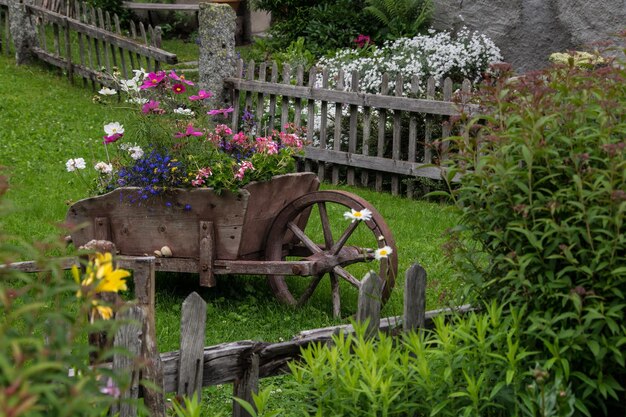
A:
(109, 279)
(105, 312)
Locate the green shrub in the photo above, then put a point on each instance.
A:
(400, 18)
(468, 366)
(325, 25)
(543, 198)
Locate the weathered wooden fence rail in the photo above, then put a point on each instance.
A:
(85, 41)
(383, 140)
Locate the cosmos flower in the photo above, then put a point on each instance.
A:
(223, 112)
(202, 95)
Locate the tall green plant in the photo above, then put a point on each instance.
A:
(400, 18)
(544, 196)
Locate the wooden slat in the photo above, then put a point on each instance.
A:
(428, 128)
(273, 80)
(109, 27)
(310, 124)
(382, 120)
(352, 133)
(96, 42)
(192, 331)
(414, 298)
(361, 99)
(246, 385)
(337, 132)
(412, 150)
(375, 163)
(397, 132)
(118, 30)
(321, 168)
(76, 68)
(260, 105)
(105, 44)
(284, 107)
(144, 39)
(446, 128)
(297, 100)
(368, 308)
(68, 52)
(249, 76)
(236, 94)
(81, 43)
(136, 55)
(365, 146)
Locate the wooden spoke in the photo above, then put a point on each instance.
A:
(328, 234)
(334, 285)
(303, 238)
(310, 289)
(344, 238)
(347, 276)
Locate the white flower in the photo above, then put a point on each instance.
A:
(383, 252)
(106, 91)
(129, 85)
(113, 128)
(135, 152)
(104, 168)
(140, 73)
(74, 164)
(355, 215)
(184, 112)
(137, 100)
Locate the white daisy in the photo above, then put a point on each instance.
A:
(383, 252)
(355, 215)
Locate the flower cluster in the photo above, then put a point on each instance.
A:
(440, 55)
(180, 140)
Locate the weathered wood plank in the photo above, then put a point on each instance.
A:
(321, 167)
(260, 105)
(365, 146)
(284, 109)
(102, 35)
(346, 97)
(121, 51)
(397, 132)
(192, 331)
(414, 299)
(382, 120)
(297, 102)
(338, 129)
(206, 256)
(310, 124)
(246, 385)
(446, 127)
(273, 80)
(250, 77)
(368, 310)
(128, 338)
(412, 150)
(428, 129)
(352, 133)
(236, 94)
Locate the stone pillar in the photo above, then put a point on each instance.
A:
(217, 48)
(22, 32)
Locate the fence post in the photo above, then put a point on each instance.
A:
(370, 295)
(414, 316)
(246, 385)
(22, 31)
(217, 25)
(192, 331)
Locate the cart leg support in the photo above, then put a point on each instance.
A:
(207, 254)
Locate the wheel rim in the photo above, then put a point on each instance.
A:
(312, 227)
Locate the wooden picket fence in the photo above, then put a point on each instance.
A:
(385, 140)
(85, 41)
(5, 33)
(243, 363)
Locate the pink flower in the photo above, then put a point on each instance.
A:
(152, 80)
(240, 138)
(112, 138)
(243, 167)
(180, 78)
(179, 88)
(266, 145)
(202, 174)
(152, 107)
(223, 112)
(362, 40)
(290, 139)
(202, 94)
(111, 389)
(191, 131)
(223, 130)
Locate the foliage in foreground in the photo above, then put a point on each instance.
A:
(544, 195)
(468, 366)
(44, 358)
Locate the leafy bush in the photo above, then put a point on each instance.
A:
(400, 18)
(325, 25)
(464, 55)
(44, 355)
(544, 196)
(468, 366)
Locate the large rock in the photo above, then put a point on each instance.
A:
(528, 31)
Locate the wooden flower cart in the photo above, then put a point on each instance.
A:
(279, 228)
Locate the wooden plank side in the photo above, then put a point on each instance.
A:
(298, 101)
(382, 120)
(321, 167)
(352, 133)
(428, 128)
(192, 331)
(260, 105)
(365, 146)
(396, 135)
(273, 80)
(236, 97)
(368, 310)
(310, 124)
(338, 130)
(284, 106)
(414, 299)
(412, 150)
(446, 127)
(246, 385)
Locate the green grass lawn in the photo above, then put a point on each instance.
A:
(44, 121)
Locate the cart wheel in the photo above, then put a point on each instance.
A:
(346, 254)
